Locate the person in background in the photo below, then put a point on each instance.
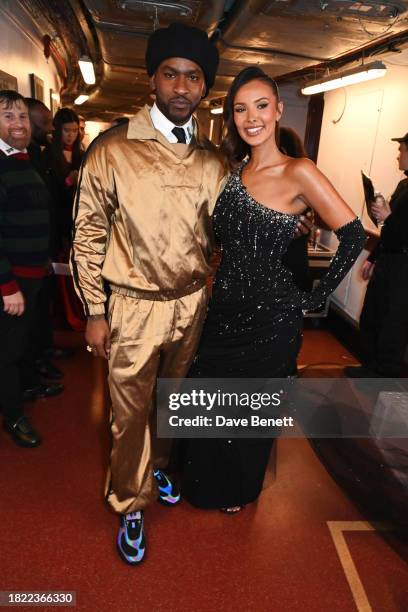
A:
(24, 236)
(82, 131)
(62, 159)
(41, 135)
(384, 317)
(41, 132)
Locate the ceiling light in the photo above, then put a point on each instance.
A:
(87, 70)
(364, 72)
(217, 110)
(81, 99)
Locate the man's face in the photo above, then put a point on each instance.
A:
(41, 124)
(179, 85)
(403, 156)
(15, 127)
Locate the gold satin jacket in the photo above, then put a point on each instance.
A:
(143, 214)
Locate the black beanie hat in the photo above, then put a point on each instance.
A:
(180, 40)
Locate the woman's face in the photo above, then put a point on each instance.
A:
(256, 111)
(70, 132)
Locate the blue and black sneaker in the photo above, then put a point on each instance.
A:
(131, 541)
(169, 494)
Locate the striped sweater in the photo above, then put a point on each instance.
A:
(24, 225)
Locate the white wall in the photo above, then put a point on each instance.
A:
(358, 124)
(93, 129)
(21, 53)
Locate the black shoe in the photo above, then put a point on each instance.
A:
(48, 369)
(42, 390)
(360, 372)
(130, 541)
(58, 352)
(22, 432)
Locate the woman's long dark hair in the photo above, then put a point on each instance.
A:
(291, 143)
(62, 116)
(233, 147)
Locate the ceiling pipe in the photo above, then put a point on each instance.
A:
(268, 51)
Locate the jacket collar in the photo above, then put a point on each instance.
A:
(8, 149)
(141, 128)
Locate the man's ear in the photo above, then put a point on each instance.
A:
(152, 83)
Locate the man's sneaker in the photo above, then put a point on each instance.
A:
(169, 494)
(131, 542)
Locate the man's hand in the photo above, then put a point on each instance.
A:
(14, 304)
(367, 270)
(97, 335)
(380, 209)
(304, 225)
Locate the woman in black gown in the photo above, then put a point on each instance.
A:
(254, 322)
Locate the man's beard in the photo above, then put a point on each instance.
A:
(176, 115)
(19, 143)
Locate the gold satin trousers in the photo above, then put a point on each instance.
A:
(150, 339)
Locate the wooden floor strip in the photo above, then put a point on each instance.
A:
(337, 529)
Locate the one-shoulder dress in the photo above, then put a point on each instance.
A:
(253, 329)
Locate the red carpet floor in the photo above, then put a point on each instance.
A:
(276, 556)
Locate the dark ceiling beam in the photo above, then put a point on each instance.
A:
(239, 16)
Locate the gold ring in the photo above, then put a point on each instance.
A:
(89, 349)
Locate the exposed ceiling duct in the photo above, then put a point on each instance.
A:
(288, 38)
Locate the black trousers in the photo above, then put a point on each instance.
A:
(42, 331)
(384, 318)
(15, 358)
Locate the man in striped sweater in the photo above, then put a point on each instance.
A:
(24, 236)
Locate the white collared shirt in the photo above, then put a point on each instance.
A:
(8, 150)
(165, 126)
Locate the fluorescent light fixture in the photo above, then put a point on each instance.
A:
(211, 129)
(217, 110)
(364, 72)
(87, 70)
(81, 99)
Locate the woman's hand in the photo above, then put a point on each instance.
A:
(14, 304)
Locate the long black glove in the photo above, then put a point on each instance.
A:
(352, 238)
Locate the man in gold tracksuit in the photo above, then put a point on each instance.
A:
(143, 225)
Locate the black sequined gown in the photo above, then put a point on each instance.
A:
(253, 330)
(250, 331)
